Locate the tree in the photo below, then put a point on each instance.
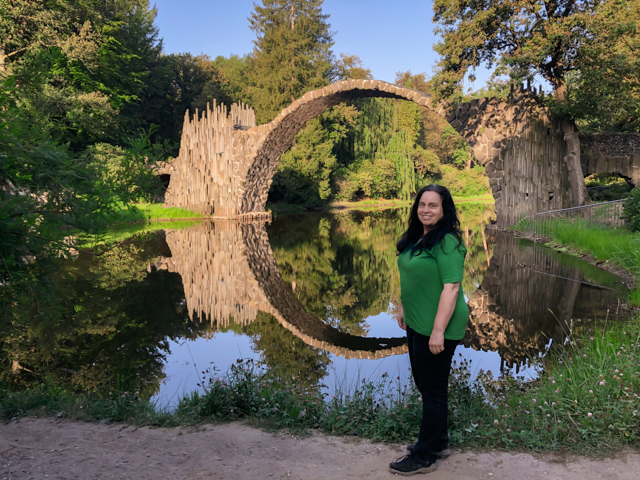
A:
(49, 199)
(227, 83)
(604, 94)
(86, 71)
(292, 54)
(350, 66)
(556, 39)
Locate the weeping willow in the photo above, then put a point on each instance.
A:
(377, 123)
(401, 152)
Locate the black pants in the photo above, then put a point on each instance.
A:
(431, 375)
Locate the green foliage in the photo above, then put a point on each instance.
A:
(88, 79)
(49, 200)
(378, 179)
(306, 171)
(588, 52)
(604, 92)
(464, 183)
(631, 212)
(350, 66)
(604, 187)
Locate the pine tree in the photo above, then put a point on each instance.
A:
(292, 54)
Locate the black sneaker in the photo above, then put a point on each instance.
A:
(412, 464)
(444, 453)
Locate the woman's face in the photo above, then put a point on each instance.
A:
(430, 210)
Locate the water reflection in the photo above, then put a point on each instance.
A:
(305, 292)
(321, 277)
(530, 296)
(229, 273)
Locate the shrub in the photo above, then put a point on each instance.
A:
(465, 183)
(631, 210)
(346, 186)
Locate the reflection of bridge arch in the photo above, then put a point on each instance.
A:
(226, 162)
(228, 271)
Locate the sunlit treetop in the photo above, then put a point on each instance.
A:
(555, 39)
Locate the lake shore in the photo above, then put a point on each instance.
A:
(37, 448)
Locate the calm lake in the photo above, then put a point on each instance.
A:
(311, 296)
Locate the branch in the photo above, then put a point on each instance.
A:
(24, 49)
(32, 211)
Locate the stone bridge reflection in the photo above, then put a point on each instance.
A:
(528, 296)
(229, 273)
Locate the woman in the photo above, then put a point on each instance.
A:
(434, 314)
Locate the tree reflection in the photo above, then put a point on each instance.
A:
(286, 357)
(342, 267)
(113, 331)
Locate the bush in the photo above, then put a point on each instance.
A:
(378, 180)
(346, 186)
(631, 210)
(465, 183)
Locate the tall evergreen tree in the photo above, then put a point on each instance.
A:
(292, 54)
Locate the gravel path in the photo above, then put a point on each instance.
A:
(51, 449)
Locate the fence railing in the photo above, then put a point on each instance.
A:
(607, 214)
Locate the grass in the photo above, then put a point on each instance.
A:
(602, 243)
(139, 218)
(586, 402)
(617, 245)
(146, 212)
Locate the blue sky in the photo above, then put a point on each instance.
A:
(389, 36)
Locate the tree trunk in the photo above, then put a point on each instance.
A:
(574, 168)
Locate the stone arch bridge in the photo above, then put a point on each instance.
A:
(611, 153)
(226, 162)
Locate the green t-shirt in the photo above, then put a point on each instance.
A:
(422, 280)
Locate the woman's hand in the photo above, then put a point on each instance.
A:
(400, 318)
(436, 342)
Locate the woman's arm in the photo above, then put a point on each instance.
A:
(400, 317)
(446, 306)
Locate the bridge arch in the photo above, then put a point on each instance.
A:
(280, 133)
(617, 153)
(226, 162)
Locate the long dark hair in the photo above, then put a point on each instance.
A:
(449, 223)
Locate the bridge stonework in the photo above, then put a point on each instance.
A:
(611, 153)
(226, 163)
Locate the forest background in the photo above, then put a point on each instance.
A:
(90, 103)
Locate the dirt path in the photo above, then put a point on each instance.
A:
(64, 450)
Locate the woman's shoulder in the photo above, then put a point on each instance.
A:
(451, 242)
